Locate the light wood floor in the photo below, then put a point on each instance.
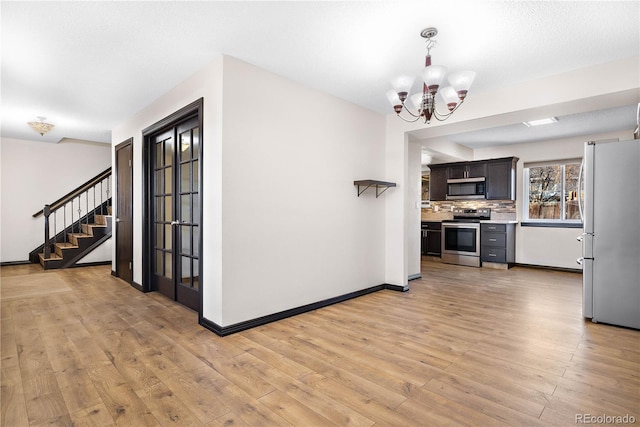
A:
(465, 346)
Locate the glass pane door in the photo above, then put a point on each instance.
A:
(175, 230)
(188, 193)
(163, 213)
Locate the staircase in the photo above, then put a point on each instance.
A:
(80, 234)
(78, 245)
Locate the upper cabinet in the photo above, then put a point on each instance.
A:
(499, 174)
(467, 170)
(438, 182)
(501, 178)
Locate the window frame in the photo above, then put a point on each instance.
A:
(561, 222)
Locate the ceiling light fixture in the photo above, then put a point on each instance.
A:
(541, 122)
(40, 126)
(432, 75)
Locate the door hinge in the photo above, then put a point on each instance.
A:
(129, 265)
(129, 162)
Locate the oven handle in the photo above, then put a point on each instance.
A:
(475, 225)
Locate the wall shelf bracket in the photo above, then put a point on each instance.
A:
(366, 183)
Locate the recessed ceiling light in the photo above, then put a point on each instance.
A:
(546, 121)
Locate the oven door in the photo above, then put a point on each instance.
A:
(461, 238)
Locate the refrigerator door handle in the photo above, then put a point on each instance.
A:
(580, 191)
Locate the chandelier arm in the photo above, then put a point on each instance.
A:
(442, 117)
(415, 118)
(409, 111)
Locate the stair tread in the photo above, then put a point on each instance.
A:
(80, 235)
(52, 257)
(66, 245)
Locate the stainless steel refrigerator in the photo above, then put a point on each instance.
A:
(611, 238)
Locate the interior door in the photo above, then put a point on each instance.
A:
(124, 212)
(175, 185)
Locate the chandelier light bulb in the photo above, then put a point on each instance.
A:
(402, 85)
(433, 76)
(450, 97)
(394, 100)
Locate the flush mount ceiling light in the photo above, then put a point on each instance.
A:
(540, 122)
(40, 126)
(432, 75)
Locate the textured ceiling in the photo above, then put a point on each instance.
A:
(87, 66)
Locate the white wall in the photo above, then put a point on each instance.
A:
(294, 230)
(553, 247)
(35, 173)
(282, 223)
(414, 207)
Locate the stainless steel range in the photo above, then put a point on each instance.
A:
(461, 236)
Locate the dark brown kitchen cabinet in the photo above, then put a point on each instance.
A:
(501, 178)
(499, 174)
(498, 243)
(431, 238)
(467, 170)
(438, 182)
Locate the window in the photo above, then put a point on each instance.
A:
(551, 193)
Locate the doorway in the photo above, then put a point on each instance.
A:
(174, 206)
(124, 211)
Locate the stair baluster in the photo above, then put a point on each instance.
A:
(55, 228)
(72, 225)
(108, 193)
(47, 248)
(79, 216)
(86, 198)
(101, 201)
(64, 220)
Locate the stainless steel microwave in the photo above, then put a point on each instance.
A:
(466, 188)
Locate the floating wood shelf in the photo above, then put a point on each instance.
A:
(366, 183)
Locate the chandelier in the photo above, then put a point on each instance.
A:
(432, 76)
(40, 126)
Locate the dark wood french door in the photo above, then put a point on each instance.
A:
(124, 211)
(175, 207)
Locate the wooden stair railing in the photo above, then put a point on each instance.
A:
(94, 197)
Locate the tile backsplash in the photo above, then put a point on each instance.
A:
(500, 209)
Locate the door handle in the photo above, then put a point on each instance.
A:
(580, 238)
(117, 219)
(579, 260)
(175, 222)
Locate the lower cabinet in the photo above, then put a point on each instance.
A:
(431, 238)
(498, 243)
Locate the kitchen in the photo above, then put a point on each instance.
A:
(468, 197)
(462, 224)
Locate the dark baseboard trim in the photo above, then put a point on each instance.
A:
(546, 267)
(90, 264)
(396, 288)
(415, 276)
(248, 324)
(10, 263)
(138, 286)
(114, 274)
